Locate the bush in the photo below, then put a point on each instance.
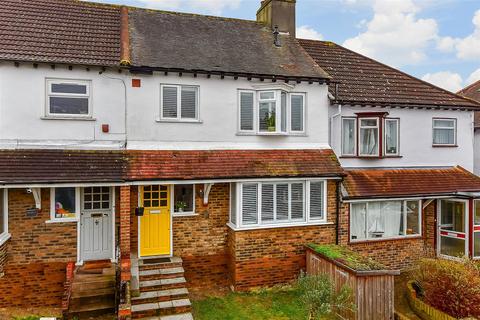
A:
(319, 297)
(450, 286)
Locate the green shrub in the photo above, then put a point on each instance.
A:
(319, 297)
(450, 286)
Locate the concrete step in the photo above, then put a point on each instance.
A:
(162, 284)
(165, 308)
(155, 274)
(160, 295)
(159, 263)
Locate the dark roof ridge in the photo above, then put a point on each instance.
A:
(392, 68)
(403, 168)
(468, 87)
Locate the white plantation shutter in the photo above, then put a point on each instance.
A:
(316, 200)
(296, 112)
(249, 204)
(246, 111)
(189, 103)
(169, 102)
(267, 202)
(282, 201)
(297, 201)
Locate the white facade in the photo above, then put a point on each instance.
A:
(415, 138)
(476, 164)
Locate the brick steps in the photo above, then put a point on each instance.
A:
(163, 292)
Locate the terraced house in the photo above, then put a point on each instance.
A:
(151, 152)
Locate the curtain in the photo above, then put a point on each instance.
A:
(375, 220)
(444, 136)
(393, 214)
(391, 136)
(348, 145)
(357, 221)
(369, 141)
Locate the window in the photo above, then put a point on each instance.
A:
(277, 202)
(385, 219)
(65, 204)
(271, 112)
(391, 137)
(3, 215)
(96, 198)
(348, 136)
(444, 132)
(184, 198)
(179, 103)
(68, 98)
(368, 137)
(476, 229)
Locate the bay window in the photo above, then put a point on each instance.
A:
(276, 203)
(369, 132)
(271, 112)
(444, 132)
(385, 219)
(348, 136)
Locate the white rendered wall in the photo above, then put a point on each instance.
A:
(22, 109)
(415, 138)
(476, 165)
(218, 107)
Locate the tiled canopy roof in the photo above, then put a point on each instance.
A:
(60, 31)
(364, 81)
(218, 164)
(59, 166)
(388, 183)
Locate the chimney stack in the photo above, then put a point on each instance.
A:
(278, 13)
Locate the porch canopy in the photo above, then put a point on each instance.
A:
(410, 182)
(231, 164)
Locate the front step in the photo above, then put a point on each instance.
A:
(163, 292)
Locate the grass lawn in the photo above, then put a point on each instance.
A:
(272, 304)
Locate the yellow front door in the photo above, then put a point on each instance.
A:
(155, 222)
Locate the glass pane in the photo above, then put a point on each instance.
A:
(297, 201)
(69, 88)
(189, 102)
(476, 219)
(267, 116)
(316, 200)
(267, 95)
(246, 111)
(368, 122)
(444, 136)
(453, 247)
(391, 137)
(2, 212)
(267, 202)
(249, 204)
(169, 102)
(348, 136)
(444, 123)
(163, 203)
(183, 197)
(282, 201)
(476, 244)
(368, 141)
(155, 203)
(283, 113)
(297, 112)
(413, 214)
(64, 202)
(63, 105)
(233, 203)
(392, 213)
(357, 221)
(453, 215)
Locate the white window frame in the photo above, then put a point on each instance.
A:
(4, 236)
(355, 140)
(476, 229)
(404, 204)
(54, 219)
(184, 213)
(397, 120)
(238, 225)
(49, 94)
(454, 120)
(360, 127)
(278, 117)
(179, 118)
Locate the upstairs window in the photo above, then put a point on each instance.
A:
(391, 137)
(179, 102)
(444, 132)
(271, 112)
(68, 98)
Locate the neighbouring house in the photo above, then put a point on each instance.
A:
(473, 92)
(408, 153)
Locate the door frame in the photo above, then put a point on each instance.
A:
(113, 258)
(467, 227)
(139, 204)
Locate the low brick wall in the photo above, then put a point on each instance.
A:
(422, 309)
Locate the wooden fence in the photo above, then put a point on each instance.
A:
(373, 291)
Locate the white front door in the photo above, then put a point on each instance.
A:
(453, 228)
(96, 221)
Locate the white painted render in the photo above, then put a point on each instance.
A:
(415, 138)
(476, 164)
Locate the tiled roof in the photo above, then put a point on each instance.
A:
(204, 43)
(60, 166)
(473, 92)
(218, 164)
(387, 183)
(60, 31)
(364, 81)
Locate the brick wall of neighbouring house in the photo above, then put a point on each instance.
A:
(264, 257)
(3, 258)
(398, 253)
(37, 254)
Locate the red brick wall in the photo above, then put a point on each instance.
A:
(3, 258)
(398, 253)
(264, 257)
(37, 254)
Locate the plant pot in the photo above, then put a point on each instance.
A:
(180, 209)
(139, 211)
(271, 129)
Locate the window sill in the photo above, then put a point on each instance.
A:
(69, 118)
(271, 134)
(4, 238)
(178, 121)
(372, 157)
(184, 214)
(66, 220)
(285, 225)
(444, 146)
(411, 237)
